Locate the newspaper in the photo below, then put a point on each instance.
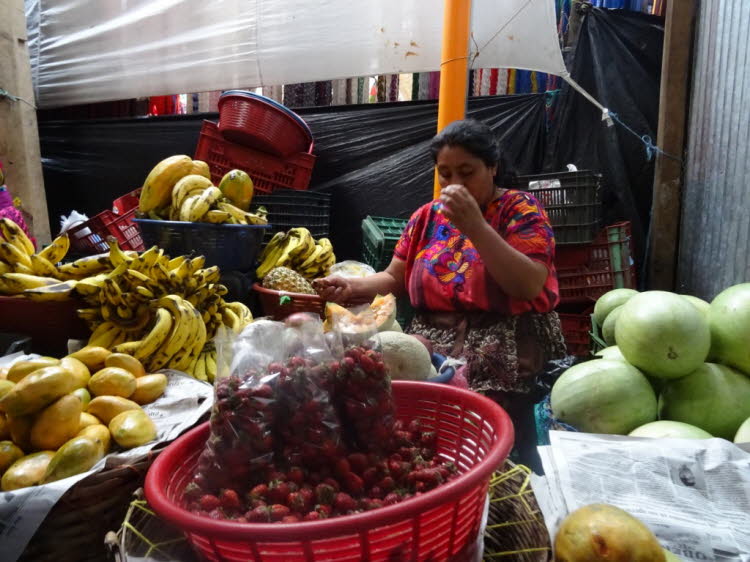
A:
(693, 494)
(184, 401)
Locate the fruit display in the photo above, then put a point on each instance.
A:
(180, 189)
(605, 533)
(310, 437)
(689, 357)
(51, 428)
(296, 250)
(287, 280)
(381, 313)
(405, 357)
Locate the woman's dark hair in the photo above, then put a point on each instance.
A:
(473, 136)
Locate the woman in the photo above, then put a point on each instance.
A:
(8, 209)
(477, 265)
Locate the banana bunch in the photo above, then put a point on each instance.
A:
(297, 250)
(33, 275)
(180, 189)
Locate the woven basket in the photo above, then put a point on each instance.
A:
(75, 528)
(515, 526)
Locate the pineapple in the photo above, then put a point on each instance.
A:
(285, 279)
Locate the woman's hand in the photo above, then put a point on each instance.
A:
(333, 289)
(460, 207)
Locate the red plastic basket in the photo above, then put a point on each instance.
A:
(272, 305)
(118, 223)
(261, 123)
(575, 328)
(587, 271)
(473, 432)
(268, 172)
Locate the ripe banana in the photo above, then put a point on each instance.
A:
(231, 320)
(13, 255)
(5, 268)
(104, 334)
(58, 292)
(217, 217)
(178, 335)
(156, 337)
(86, 267)
(15, 236)
(211, 366)
(42, 266)
(116, 255)
(157, 189)
(204, 203)
(55, 252)
(199, 371)
(17, 283)
(192, 184)
(275, 241)
(128, 347)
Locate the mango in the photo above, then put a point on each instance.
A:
(83, 395)
(5, 387)
(148, 388)
(132, 429)
(86, 420)
(26, 471)
(127, 362)
(92, 356)
(4, 428)
(37, 390)
(112, 381)
(107, 407)
(57, 423)
(20, 430)
(237, 186)
(22, 368)
(99, 434)
(9, 453)
(79, 370)
(75, 456)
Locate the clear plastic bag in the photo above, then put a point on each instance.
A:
(351, 269)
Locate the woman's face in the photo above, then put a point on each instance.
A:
(456, 165)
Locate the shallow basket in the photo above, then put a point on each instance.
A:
(443, 524)
(280, 304)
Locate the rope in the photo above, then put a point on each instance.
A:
(6, 94)
(651, 148)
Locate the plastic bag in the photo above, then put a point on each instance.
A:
(350, 269)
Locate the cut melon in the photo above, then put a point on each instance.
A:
(379, 316)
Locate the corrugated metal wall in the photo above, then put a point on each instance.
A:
(715, 227)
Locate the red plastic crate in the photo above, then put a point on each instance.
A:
(587, 271)
(575, 328)
(442, 524)
(267, 171)
(118, 223)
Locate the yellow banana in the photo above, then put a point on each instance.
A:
(211, 366)
(104, 335)
(216, 216)
(157, 336)
(209, 196)
(91, 285)
(196, 264)
(231, 320)
(208, 275)
(13, 255)
(186, 208)
(312, 258)
(20, 268)
(86, 267)
(42, 266)
(157, 189)
(17, 283)
(178, 335)
(116, 255)
(237, 214)
(242, 312)
(144, 292)
(60, 291)
(200, 369)
(174, 263)
(15, 236)
(55, 252)
(201, 168)
(273, 243)
(5, 268)
(192, 184)
(113, 292)
(128, 347)
(192, 349)
(89, 314)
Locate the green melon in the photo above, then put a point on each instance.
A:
(729, 318)
(609, 301)
(611, 352)
(665, 428)
(743, 433)
(608, 329)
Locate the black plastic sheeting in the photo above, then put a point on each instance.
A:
(373, 159)
(618, 61)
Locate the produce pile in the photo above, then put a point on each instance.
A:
(306, 429)
(56, 429)
(680, 368)
(164, 311)
(180, 189)
(291, 258)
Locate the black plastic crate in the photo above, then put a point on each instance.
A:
(574, 208)
(307, 209)
(13, 343)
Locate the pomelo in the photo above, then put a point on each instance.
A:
(662, 334)
(729, 318)
(603, 396)
(700, 304)
(608, 329)
(743, 433)
(611, 352)
(609, 301)
(601, 532)
(714, 398)
(664, 428)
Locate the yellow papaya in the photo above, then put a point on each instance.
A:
(107, 407)
(75, 456)
(5, 387)
(22, 368)
(78, 368)
(132, 429)
(83, 395)
(149, 388)
(237, 186)
(92, 356)
(200, 168)
(157, 189)
(20, 430)
(127, 362)
(57, 423)
(86, 420)
(9, 453)
(37, 390)
(99, 434)
(26, 471)
(112, 381)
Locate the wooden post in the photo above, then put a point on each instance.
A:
(19, 136)
(454, 66)
(673, 110)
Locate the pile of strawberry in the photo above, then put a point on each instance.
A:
(309, 440)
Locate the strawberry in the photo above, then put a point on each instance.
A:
(308, 495)
(375, 492)
(325, 494)
(278, 512)
(403, 438)
(344, 503)
(415, 425)
(333, 484)
(296, 502)
(209, 502)
(278, 491)
(230, 500)
(391, 499)
(353, 483)
(259, 492)
(260, 514)
(387, 483)
(217, 514)
(342, 467)
(420, 487)
(430, 476)
(296, 475)
(290, 519)
(324, 510)
(257, 503)
(428, 438)
(313, 516)
(358, 462)
(397, 469)
(370, 476)
(192, 491)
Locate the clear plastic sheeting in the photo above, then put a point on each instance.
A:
(85, 51)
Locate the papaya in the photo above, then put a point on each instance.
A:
(200, 168)
(26, 471)
(79, 370)
(86, 420)
(37, 390)
(132, 429)
(75, 456)
(5, 387)
(9, 453)
(92, 356)
(57, 423)
(83, 395)
(112, 381)
(107, 407)
(20, 430)
(237, 186)
(98, 433)
(149, 388)
(22, 368)
(127, 362)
